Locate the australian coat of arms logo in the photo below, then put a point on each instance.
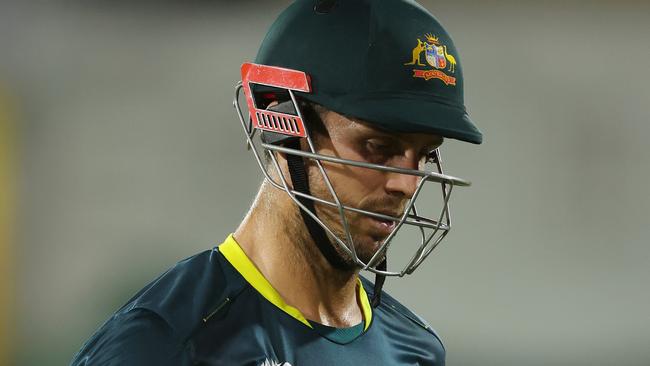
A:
(441, 63)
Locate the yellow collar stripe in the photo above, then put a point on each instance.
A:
(236, 256)
(365, 305)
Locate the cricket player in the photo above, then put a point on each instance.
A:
(344, 110)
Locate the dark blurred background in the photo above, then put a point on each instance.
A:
(120, 154)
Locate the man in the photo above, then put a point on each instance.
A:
(348, 102)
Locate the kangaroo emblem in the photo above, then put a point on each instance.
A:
(416, 54)
(451, 59)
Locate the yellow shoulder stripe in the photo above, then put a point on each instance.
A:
(236, 256)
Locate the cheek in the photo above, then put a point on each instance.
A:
(352, 184)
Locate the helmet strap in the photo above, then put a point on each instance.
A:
(379, 283)
(300, 183)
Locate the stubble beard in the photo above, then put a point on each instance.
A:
(366, 243)
(364, 247)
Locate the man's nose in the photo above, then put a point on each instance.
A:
(403, 184)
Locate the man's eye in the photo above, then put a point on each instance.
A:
(376, 146)
(377, 151)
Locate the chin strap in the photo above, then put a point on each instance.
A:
(300, 183)
(379, 283)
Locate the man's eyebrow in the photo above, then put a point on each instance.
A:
(367, 132)
(396, 139)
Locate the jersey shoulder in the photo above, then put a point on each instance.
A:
(401, 313)
(136, 337)
(189, 291)
(156, 322)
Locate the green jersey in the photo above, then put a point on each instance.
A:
(216, 308)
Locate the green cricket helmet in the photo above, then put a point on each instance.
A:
(387, 62)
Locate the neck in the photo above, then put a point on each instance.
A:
(275, 238)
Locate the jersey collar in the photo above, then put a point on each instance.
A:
(238, 259)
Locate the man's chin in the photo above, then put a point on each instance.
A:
(367, 246)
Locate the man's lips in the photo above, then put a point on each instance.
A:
(392, 216)
(382, 227)
(386, 212)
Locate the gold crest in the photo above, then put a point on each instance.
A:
(441, 62)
